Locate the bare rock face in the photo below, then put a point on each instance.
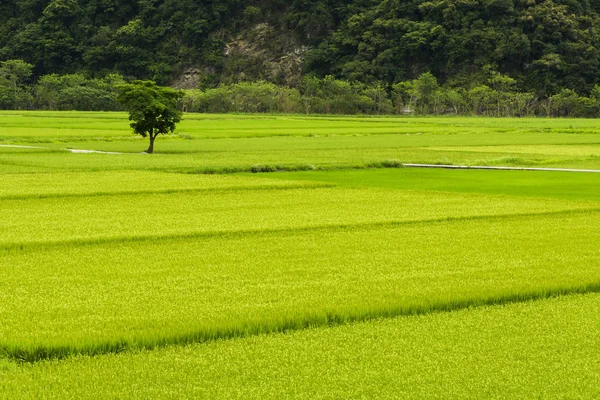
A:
(267, 53)
(189, 79)
(261, 52)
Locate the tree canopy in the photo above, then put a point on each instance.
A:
(153, 109)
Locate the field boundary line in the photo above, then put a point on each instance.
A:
(17, 146)
(233, 234)
(317, 185)
(324, 318)
(499, 168)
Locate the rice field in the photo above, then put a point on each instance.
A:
(542, 349)
(337, 275)
(236, 143)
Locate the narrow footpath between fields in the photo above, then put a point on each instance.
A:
(54, 148)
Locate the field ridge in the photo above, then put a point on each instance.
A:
(316, 165)
(39, 353)
(307, 185)
(42, 245)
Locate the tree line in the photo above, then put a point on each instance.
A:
(497, 96)
(55, 92)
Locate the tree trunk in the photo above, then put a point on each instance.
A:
(151, 147)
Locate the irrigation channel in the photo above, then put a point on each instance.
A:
(497, 168)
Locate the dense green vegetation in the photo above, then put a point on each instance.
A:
(543, 349)
(126, 271)
(497, 57)
(544, 45)
(328, 95)
(499, 97)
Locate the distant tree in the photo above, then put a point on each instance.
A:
(153, 109)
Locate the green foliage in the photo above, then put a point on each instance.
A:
(14, 94)
(316, 96)
(137, 39)
(153, 109)
(334, 96)
(567, 102)
(76, 92)
(541, 47)
(497, 96)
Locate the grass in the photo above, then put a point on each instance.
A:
(542, 349)
(178, 264)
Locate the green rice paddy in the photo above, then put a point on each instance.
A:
(182, 274)
(543, 349)
(229, 143)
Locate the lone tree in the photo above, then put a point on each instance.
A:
(153, 109)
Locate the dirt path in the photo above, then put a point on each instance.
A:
(92, 151)
(55, 148)
(23, 147)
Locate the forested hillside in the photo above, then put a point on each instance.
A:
(533, 46)
(155, 39)
(545, 45)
